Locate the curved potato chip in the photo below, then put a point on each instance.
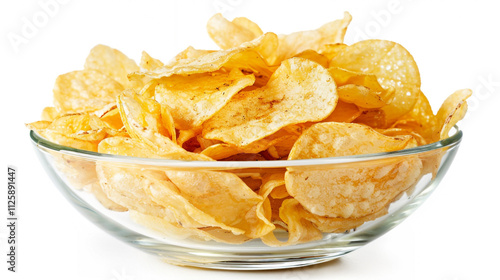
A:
(361, 89)
(353, 191)
(168, 122)
(149, 63)
(221, 150)
(300, 230)
(207, 189)
(227, 34)
(340, 225)
(394, 67)
(375, 118)
(197, 97)
(331, 50)
(420, 120)
(113, 63)
(345, 139)
(245, 57)
(314, 56)
(452, 110)
(248, 25)
(290, 97)
(142, 118)
(344, 112)
(330, 33)
(172, 228)
(85, 90)
(49, 114)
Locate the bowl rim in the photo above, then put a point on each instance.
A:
(45, 144)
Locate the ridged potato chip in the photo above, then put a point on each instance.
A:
(291, 96)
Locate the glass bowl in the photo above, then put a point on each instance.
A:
(73, 172)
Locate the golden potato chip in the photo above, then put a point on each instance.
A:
(227, 34)
(49, 114)
(361, 89)
(300, 230)
(113, 119)
(221, 150)
(149, 63)
(168, 122)
(345, 139)
(344, 112)
(452, 110)
(314, 56)
(85, 90)
(394, 67)
(394, 132)
(248, 25)
(375, 118)
(171, 227)
(206, 191)
(142, 118)
(339, 225)
(330, 33)
(197, 97)
(112, 63)
(331, 50)
(188, 55)
(420, 120)
(354, 191)
(290, 97)
(245, 57)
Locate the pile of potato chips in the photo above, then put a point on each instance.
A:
(260, 97)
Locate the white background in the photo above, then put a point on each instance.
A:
(453, 236)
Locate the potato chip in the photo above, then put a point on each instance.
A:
(452, 110)
(49, 114)
(394, 67)
(375, 118)
(314, 56)
(112, 63)
(300, 230)
(206, 191)
(420, 119)
(172, 228)
(289, 97)
(197, 97)
(85, 90)
(222, 151)
(353, 191)
(339, 225)
(142, 118)
(345, 139)
(245, 57)
(188, 55)
(344, 112)
(330, 33)
(227, 34)
(331, 50)
(168, 122)
(148, 63)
